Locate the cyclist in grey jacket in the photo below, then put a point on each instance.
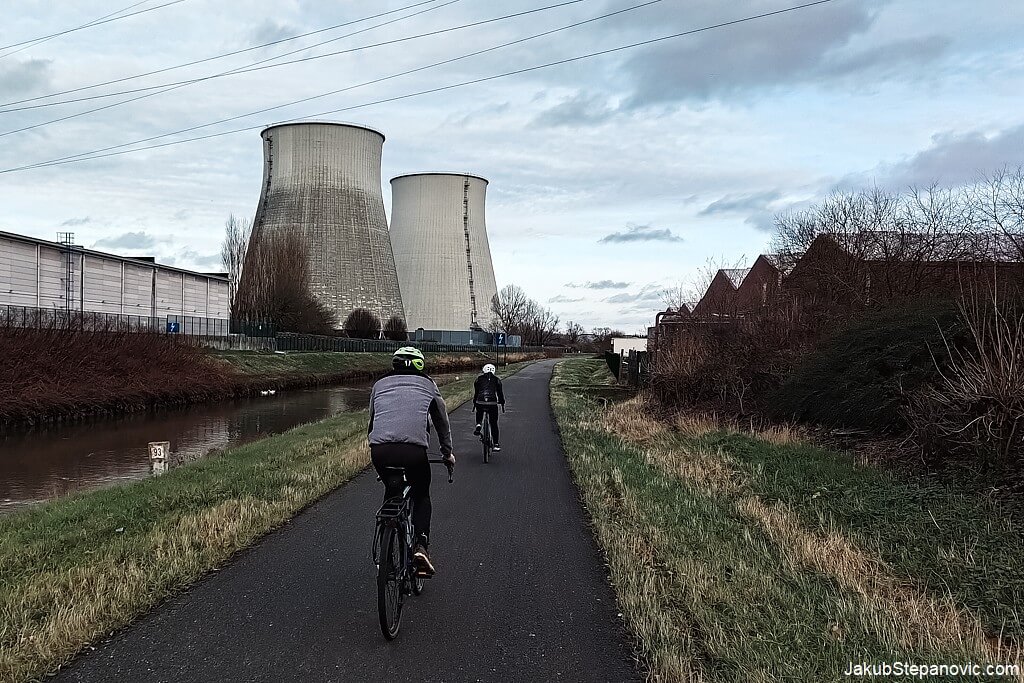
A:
(403, 404)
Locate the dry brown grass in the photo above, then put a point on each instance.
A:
(782, 435)
(634, 419)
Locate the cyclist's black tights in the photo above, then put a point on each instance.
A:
(413, 459)
(492, 416)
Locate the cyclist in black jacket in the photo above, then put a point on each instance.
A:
(487, 397)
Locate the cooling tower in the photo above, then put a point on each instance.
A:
(322, 181)
(439, 238)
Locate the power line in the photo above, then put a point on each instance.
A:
(207, 59)
(250, 68)
(182, 84)
(453, 86)
(91, 24)
(360, 85)
(40, 41)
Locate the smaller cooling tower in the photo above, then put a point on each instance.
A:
(439, 238)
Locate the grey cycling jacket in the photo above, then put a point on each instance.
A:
(402, 406)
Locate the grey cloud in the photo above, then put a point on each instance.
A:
(731, 203)
(562, 299)
(649, 293)
(887, 58)
(271, 30)
(956, 158)
(754, 204)
(189, 258)
(763, 221)
(72, 222)
(24, 77)
(600, 284)
(182, 215)
(810, 45)
(128, 240)
(580, 109)
(642, 233)
(480, 114)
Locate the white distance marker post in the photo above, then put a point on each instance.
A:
(159, 452)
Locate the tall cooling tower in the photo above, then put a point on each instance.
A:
(322, 180)
(444, 264)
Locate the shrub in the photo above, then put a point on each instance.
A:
(862, 375)
(395, 329)
(62, 371)
(723, 364)
(362, 324)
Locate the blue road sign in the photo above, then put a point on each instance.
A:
(172, 327)
(499, 339)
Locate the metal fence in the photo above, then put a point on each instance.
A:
(633, 369)
(255, 335)
(91, 321)
(287, 341)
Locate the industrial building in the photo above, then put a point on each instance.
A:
(439, 235)
(35, 273)
(322, 180)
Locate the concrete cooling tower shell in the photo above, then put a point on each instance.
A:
(322, 180)
(439, 237)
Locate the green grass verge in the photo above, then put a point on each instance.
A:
(756, 557)
(330, 363)
(79, 567)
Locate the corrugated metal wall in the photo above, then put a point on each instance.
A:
(430, 214)
(102, 283)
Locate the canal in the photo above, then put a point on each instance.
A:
(52, 461)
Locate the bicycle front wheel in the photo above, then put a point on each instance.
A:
(390, 575)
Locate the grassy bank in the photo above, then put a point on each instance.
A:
(741, 556)
(80, 567)
(274, 369)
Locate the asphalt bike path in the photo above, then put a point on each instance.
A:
(521, 592)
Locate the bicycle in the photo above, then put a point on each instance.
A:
(393, 533)
(485, 434)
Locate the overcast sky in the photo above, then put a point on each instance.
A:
(611, 178)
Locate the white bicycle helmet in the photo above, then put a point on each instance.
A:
(489, 369)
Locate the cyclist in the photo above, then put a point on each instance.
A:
(403, 404)
(487, 397)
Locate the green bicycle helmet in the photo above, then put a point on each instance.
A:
(408, 357)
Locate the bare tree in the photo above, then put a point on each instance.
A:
(1000, 201)
(509, 308)
(275, 286)
(539, 326)
(232, 252)
(573, 333)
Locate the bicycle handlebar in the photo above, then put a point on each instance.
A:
(442, 461)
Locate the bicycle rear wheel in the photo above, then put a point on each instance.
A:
(390, 575)
(485, 439)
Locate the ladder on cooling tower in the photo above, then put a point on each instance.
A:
(469, 255)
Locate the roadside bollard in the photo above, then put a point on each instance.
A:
(159, 452)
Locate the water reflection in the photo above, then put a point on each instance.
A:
(45, 463)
